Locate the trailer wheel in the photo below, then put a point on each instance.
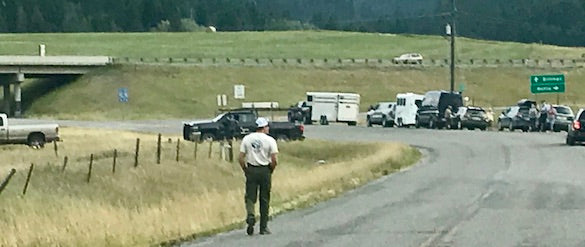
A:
(352, 123)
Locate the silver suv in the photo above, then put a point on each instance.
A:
(382, 114)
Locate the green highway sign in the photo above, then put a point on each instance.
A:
(547, 84)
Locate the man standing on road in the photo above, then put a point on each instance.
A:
(258, 160)
(533, 115)
(448, 116)
(552, 116)
(543, 115)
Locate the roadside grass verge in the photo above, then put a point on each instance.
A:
(154, 203)
(157, 92)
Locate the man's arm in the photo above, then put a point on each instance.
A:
(243, 161)
(273, 162)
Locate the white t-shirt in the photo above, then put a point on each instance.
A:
(258, 148)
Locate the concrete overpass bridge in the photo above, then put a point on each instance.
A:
(15, 69)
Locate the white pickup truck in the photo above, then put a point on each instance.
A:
(35, 135)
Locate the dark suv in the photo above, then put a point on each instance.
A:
(513, 118)
(471, 117)
(576, 131)
(431, 112)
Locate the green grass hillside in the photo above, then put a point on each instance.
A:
(298, 44)
(190, 92)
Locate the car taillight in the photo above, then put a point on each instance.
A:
(576, 125)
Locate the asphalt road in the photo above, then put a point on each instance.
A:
(471, 189)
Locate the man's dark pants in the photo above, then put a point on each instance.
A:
(533, 124)
(258, 178)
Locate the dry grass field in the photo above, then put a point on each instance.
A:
(154, 203)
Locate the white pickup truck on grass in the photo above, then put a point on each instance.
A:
(34, 135)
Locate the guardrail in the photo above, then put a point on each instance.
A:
(329, 62)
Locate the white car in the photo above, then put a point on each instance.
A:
(410, 58)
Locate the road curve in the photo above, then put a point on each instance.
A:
(472, 189)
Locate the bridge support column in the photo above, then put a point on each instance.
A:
(6, 98)
(18, 95)
(17, 100)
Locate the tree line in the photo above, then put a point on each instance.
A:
(558, 22)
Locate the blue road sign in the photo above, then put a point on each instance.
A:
(123, 95)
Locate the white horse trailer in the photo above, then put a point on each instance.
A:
(406, 108)
(335, 107)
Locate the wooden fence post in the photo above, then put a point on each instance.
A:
(158, 147)
(137, 152)
(56, 148)
(30, 170)
(221, 150)
(7, 180)
(90, 168)
(114, 163)
(195, 151)
(64, 163)
(231, 149)
(178, 149)
(210, 147)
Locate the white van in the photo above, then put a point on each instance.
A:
(336, 107)
(406, 108)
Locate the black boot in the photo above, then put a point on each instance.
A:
(250, 221)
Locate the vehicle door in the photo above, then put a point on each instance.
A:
(409, 114)
(581, 119)
(246, 122)
(504, 118)
(513, 116)
(348, 108)
(3, 129)
(461, 115)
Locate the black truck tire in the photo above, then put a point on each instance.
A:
(36, 140)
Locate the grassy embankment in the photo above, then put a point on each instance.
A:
(155, 203)
(296, 44)
(189, 92)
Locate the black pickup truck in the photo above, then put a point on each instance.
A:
(215, 129)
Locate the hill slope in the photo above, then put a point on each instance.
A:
(311, 44)
(190, 92)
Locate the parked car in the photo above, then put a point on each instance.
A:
(563, 119)
(409, 58)
(576, 132)
(514, 118)
(246, 123)
(431, 113)
(382, 114)
(34, 135)
(471, 117)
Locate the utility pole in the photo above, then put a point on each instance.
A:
(453, 33)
